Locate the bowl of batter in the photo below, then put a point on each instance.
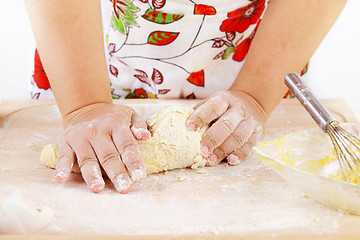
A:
(307, 160)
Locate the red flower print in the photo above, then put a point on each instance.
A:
(197, 78)
(157, 76)
(143, 77)
(218, 43)
(39, 76)
(202, 9)
(158, 3)
(230, 35)
(114, 71)
(191, 96)
(138, 93)
(240, 19)
(163, 91)
(111, 47)
(242, 49)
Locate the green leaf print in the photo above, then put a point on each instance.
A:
(161, 38)
(124, 16)
(228, 52)
(129, 18)
(119, 24)
(161, 17)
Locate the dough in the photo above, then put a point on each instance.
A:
(48, 157)
(171, 145)
(21, 216)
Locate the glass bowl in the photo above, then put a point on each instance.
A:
(306, 160)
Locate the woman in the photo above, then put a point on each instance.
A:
(168, 49)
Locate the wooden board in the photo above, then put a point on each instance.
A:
(247, 201)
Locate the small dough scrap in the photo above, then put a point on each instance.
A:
(48, 157)
(171, 145)
(21, 216)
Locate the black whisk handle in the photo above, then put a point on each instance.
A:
(311, 103)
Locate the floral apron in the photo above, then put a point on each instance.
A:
(171, 48)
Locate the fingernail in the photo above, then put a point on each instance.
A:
(212, 160)
(138, 174)
(97, 185)
(205, 150)
(145, 135)
(141, 133)
(191, 126)
(121, 184)
(60, 176)
(233, 160)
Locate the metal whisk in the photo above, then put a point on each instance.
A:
(347, 146)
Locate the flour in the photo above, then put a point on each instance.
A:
(250, 199)
(5, 169)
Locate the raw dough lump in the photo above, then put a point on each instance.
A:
(171, 145)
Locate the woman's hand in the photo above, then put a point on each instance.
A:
(103, 135)
(236, 125)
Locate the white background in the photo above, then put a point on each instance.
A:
(334, 69)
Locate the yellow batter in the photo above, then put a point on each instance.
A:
(310, 153)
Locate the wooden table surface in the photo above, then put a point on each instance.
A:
(249, 201)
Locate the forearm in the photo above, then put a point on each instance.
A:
(70, 43)
(288, 35)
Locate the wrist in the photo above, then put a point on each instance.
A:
(261, 113)
(82, 113)
(267, 96)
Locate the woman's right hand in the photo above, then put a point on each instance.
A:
(103, 134)
(97, 132)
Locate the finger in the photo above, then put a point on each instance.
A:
(89, 166)
(139, 128)
(65, 162)
(220, 131)
(110, 160)
(199, 104)
(130, 153)
(236, 139)
(241, 154)
(204, 100)
(209, 111)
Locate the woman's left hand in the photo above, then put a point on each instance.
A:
(236, 125)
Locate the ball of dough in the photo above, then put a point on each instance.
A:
(171, 145)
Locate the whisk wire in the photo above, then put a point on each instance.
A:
(355, 141)
(350, 143)
(346, 148)
(341, 160)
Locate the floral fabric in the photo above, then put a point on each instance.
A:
(172, 48)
